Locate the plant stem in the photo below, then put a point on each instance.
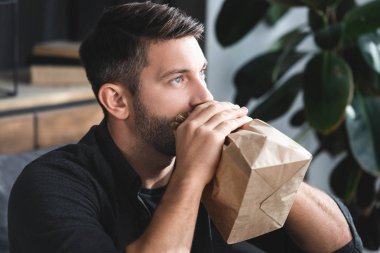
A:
(356, 183)
(311, 5)
(301, 136)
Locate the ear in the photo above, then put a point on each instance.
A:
(114, 98)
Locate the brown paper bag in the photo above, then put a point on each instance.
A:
(256, 182)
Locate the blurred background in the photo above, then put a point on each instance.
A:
(45, 100)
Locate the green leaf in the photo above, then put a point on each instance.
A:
(367, 81)
(344, 178)
(278, 103)
(362, 123)
(361, 20)
(368, 227)
(328, 88)
(366, 212)
(237, 18)
(315, 20)
(335, 142)
(329, 37)
(288, 2)
(317, 4)
(275, 13)
(298, 118)
(321, 5)
(369, 45)
(255, 78)
(344, 7)
(365, 192)
(288, 44)
(289, 40)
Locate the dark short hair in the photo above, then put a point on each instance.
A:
(116, 50)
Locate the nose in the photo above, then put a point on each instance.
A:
(201, 94)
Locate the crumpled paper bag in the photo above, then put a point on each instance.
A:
(256, 182)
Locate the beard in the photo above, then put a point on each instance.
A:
(154, 130)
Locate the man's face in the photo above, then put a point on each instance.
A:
(171, 83)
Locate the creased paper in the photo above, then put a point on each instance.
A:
(256, 182)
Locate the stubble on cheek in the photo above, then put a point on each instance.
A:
(154, 130)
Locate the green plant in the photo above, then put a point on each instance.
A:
(340, 85)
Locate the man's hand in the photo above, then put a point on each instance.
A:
(200, 138)
(199, 142)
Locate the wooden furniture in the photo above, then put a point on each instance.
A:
(41, 117)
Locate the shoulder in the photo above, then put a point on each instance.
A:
(68, 162)
(60, 178)
(59, 185)
(58, 196)
(58, 168)
(65, 193)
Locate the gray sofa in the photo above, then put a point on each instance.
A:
(10, 168)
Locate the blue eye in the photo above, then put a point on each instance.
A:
(177, 81)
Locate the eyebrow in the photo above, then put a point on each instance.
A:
(178, 71)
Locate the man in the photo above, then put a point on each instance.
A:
(132, 184)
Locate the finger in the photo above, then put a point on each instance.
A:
(203, 113)
(226, 127)
(180, 118)
(226, 115)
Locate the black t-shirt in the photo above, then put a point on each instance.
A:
(87, 198)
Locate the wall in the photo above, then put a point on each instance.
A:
(44, 20)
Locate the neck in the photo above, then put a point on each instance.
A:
(154, 176)
(153, 167)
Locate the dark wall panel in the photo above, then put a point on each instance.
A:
(44, 20)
